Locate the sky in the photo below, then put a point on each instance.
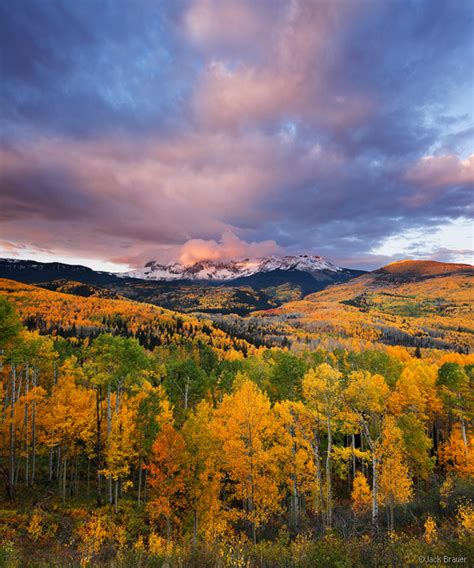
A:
(215, 129)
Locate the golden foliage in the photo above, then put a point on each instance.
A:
(361, 494)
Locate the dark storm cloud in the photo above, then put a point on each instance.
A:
(131, 128)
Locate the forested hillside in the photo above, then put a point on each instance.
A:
(135, 436)
(83, 318)
(413, 303)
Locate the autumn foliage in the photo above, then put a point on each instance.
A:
(206, 443)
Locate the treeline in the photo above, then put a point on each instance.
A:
(185, 453)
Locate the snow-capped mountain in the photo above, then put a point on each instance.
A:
(230, 270)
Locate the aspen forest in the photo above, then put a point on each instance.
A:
(201, 453)
(236, 283)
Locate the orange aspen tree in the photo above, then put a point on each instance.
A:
(454, 456)
(168, 472)
(361, 494)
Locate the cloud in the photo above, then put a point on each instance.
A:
(11, 248)
(228, 247)
(438, 171)
(224, 25)
(128, 132)
(446, 180)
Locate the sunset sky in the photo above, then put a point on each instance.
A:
(183, 130)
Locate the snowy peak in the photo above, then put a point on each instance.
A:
(230, 270)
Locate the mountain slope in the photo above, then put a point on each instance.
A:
(80, 317)
(32, 272)
(413, 270)
(413, 303)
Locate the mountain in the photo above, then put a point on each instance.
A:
(234, 269)
(33, 272)
(209, 287)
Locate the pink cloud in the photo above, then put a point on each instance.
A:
(431, 175)
(291, 78)
(214, 23)
(229, 97)
(131, 202)
(10, 248)
(228, 247)
(436, 171)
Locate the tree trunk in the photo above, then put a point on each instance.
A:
(99, 446)
(195, 528)
(10, 489)
(64, 477)
(33, 433)
(12, 427)
(76, 475)
(353, 457)
(364, 467)
(139, 495)
(186, 393)
(116, 487)
(319, 500)
(252, 485)
(58, 464)
(295, 504)
(50, 464)
(464, 436)
(294, 498)
(375, 488)
(25, 424)
(328, 476)
(145, 486)
(109, 429)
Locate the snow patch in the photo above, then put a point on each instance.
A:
(223, 271)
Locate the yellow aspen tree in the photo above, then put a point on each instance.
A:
(204, 479)
(322, 389)
(296, 454)
(67, 419)
(245, 425)
(455, 384)
(415, 392)
(121, 447)
(366, 396)
(396, 486)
